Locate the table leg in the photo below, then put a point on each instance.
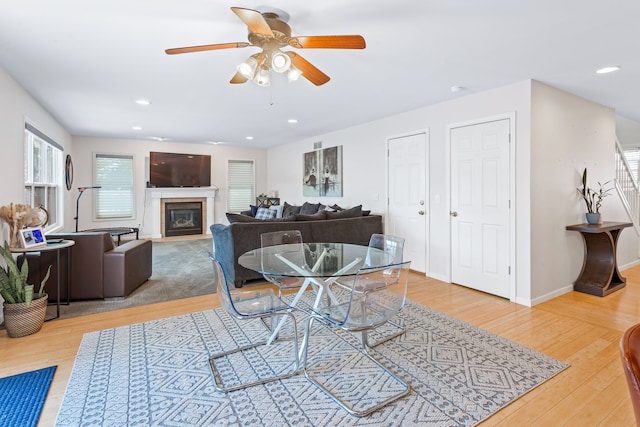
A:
(57, 286)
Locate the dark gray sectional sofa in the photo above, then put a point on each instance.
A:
(231, 241)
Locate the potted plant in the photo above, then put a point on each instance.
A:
(593, 198)
(24, 310)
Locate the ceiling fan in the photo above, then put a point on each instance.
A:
(270, 32)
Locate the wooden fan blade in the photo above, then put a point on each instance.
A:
(328, 42)
(254, 21)
(238, 79)
(309, 71)
(218, 46)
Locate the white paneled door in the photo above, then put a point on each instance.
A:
(480, 182)
(407, 210)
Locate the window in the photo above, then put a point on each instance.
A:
(633, 157)
(43, 174)
(114, 174)
(241, 185)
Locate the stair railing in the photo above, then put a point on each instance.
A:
(627, 187)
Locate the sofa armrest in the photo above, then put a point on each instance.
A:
(126, 267)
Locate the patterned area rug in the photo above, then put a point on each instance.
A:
(22, 397)
(157, 373)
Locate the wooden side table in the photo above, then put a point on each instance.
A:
(600, 275)
(53, 246)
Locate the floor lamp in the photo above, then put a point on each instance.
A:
(81, 190)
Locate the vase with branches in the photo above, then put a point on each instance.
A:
(593, 197)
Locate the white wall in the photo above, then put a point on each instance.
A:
(556, 134)
(569, 133)
(16, 107)
(628, 132)
(86, 147)
(364, 159)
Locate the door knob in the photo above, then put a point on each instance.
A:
(454, 213)
(421, 212)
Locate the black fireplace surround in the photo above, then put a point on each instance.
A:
(182, 218)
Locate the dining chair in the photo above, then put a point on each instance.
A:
(359, 312)
(248, 305)
(392, 246)
(389, 249)
(294, 252)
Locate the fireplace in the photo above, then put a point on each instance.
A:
(182, 218)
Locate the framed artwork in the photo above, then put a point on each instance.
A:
(322, 173)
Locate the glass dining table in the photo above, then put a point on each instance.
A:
(321, 264)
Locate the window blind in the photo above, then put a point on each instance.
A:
(114, 173)
(241, 185)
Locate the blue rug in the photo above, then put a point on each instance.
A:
(22, 397)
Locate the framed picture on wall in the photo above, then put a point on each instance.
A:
(322, 173)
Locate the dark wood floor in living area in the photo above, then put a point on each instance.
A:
(580, 329)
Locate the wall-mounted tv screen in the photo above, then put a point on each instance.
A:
(179, 170)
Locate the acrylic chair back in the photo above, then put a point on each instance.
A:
(244, 304)
(222, 287)
(374, 296)
(392, 246)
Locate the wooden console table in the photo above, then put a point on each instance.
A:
(600, 275)
(265, 202)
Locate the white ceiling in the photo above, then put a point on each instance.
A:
(87, 61)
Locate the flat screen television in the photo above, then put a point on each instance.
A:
(179, 170)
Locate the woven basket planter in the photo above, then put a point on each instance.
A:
(21, 320)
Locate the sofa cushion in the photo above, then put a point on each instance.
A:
(318, 216)
(290, 210)
(309, 208)
(234, 217)
(345, 213)
(265, 213)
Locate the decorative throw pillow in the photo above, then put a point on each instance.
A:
(318, 216)
(234, 217)
(309, 208)
(366, 213)
(265, 213)
(254, 210)
(336, 207)
(279, 209)
(345, 213)
(290, 210)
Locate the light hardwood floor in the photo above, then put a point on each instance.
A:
(580, 329)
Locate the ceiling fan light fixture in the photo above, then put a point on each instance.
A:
(280, 62)
(262, 77)
(293, 74)
(248, 68)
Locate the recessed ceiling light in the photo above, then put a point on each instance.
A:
(249, 138)
(292, 121)
(609, 69)
(142, 102)
(158, 138)
(136, 128)
(457, 88)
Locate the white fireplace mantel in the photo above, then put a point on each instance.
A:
(155, 196)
